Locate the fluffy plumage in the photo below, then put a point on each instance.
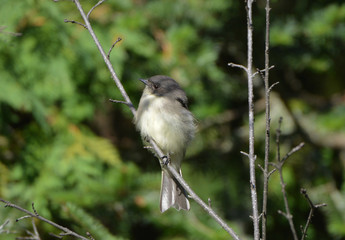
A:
(163, 115)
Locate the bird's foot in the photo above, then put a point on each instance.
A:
(166, 159)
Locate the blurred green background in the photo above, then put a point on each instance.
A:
(78, 157)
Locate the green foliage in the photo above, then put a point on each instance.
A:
(87, 221)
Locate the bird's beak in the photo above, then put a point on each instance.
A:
(144, 81)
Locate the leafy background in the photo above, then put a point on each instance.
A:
(78, 157)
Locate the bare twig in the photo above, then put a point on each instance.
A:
(31, 236)
(118, 101)
(254, 200)
(261, 72)
(272, 86)
(311, 212)
(97, 4)
(56, 236)
(2, 226)
(279, 166)
(72, 21)
(266, 174)
(112, 46)
(238, 66)
(158, 151)
(65, 230)
(37, 235)
(244, 153)
(105, 58)
(292, 151)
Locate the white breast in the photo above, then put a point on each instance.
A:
(166, 122)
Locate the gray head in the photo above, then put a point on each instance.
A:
(164, 86)
(160, 85)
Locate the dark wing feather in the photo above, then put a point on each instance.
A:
(184, 103)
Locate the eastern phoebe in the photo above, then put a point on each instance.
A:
(163, 116)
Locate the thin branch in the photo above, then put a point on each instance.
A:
(72, 21)
(268, 123)
(238, 66)
(272, 86)
(65, 230)
(56, 236)
(99, 3)
(278, 132)
(112, 46)
(279, 167)
(311, 212)
(35, 229)
(191, 193)
(21, 218)
(158, 151)
(271, 172)
(105, 58)
(268, 127)
(129, 104)
(292, 151)
(33, 208)
(197, 199)
(31, 236)
(254, 199)
(244, 153)
(2, 227)
(261, 72)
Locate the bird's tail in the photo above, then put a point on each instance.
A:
(172, 195)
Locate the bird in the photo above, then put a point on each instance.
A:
(163, 116)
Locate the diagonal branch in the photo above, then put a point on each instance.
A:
(151, 142)
(34, 214)
(105, 58)
(112, 46)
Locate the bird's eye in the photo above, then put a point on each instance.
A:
(155, 86)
